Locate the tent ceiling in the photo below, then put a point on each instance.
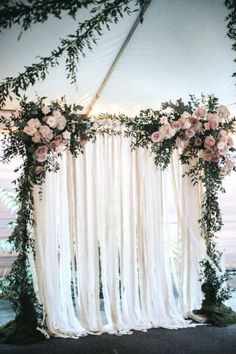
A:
(180, 48)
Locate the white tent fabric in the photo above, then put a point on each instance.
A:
(106, 215)
(181, 48)
(102, 231)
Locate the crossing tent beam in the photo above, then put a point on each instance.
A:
(117, 58)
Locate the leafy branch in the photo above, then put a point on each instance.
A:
(73, 47)
(231, 24)
(38, 11)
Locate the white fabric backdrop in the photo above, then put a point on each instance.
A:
(102, 228)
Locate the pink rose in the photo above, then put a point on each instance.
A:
(45, 110)
(41, 153)
(65, 142)
(214, 125)
(57, 114)
(54, 145)
(223, 112)
(200, 112)
(209, 141)
(29, 130)
(52, 121)
(223, 133)
(66, 135)
(34, 123)
(163, 120)
(198, 126)
(207, 154)
(58, 138)
(221, 145)
(168, 131)
(198, 141)
(36, 138)
(156, 137)
(186, 124)
(61, 148)
(189, 133)
(176, 125)
(213, 121)
(215, 157)
(185, 115)
(223, 152)
(61, 123)
(46, 132)
(207, 126)
(224, 138)
(194, 121)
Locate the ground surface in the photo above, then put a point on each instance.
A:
(198, 340)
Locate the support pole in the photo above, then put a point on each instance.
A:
(117, 58)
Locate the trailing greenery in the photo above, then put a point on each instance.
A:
(19, 282)
(71, 132)
(200, 130)
(231, 24)
(103, 15)
(25, 14)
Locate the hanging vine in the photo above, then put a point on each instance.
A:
(231, 24)
(103, 15)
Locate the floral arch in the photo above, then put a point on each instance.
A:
(201, 131)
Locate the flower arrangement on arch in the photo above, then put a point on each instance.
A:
(43, 132)
(202, 132)
(49, 134)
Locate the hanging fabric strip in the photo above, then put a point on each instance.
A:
(104, 255)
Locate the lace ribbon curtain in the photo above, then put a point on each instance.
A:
(104, 258)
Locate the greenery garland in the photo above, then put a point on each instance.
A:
(103, 15)
(231, 24)
(201, 131)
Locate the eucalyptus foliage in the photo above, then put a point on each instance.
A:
(231, 24)
(102, 15)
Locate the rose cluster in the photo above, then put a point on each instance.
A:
(206, 132)
(50, 134)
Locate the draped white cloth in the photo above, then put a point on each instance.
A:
(104, 248)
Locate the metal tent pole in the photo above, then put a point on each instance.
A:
(117, 58)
